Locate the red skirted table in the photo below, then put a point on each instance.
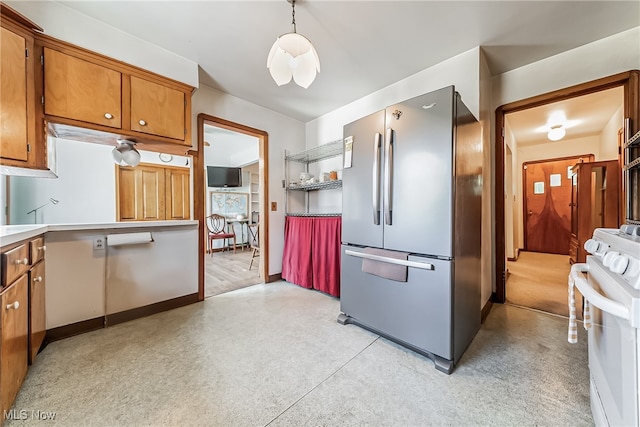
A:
(311, 256)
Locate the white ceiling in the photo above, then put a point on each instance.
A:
(229, 148)
(363, 45)
(585, 116)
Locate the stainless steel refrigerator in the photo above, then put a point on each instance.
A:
(411, 222)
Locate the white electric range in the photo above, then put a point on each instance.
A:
(612, 288)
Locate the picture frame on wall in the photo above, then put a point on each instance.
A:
(229, 204)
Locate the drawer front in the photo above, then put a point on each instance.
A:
(37, 249)
(14, 264)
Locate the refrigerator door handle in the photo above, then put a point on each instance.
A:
(377, 143)
(388, 175)
(413, 264)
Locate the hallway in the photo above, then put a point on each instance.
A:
(539, 281)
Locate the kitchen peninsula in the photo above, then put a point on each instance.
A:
(105, 273)
(64, 279)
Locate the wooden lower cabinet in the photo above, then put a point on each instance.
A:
(153, 193)
(37, 310)
(14, 343)
(22, 318)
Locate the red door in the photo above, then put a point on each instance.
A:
(547, 199)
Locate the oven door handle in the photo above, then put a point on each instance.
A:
(594, 297)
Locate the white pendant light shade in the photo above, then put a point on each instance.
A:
(278, 64)
(293, 56)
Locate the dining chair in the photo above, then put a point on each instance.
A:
(255, 242)
(218, 229)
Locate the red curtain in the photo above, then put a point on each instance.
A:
(327, 236)
(311, 256)
(296, 257)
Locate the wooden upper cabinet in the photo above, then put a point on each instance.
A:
(110, 99)
(20, 146)
(13, 96)
(81, 90)
(157, 109)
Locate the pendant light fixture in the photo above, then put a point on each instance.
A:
(293, 56)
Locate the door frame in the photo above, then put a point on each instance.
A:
(199, 192)
(525, 215)
(630, 82)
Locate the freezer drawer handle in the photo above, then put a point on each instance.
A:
(414, 264)
(377, 142)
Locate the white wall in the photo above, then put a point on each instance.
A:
(461, 70)
(284, 133)
(69, 25)
(609, 136)
(85, 186)
(602, 58)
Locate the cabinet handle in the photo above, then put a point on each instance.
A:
(24, 261)
(142, 123)
(42, 248)
(108, 116)
(14, 306)
(37, 279)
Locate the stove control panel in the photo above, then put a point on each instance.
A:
(619, 251)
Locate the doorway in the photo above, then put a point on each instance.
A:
(506, 210)
(233, 269)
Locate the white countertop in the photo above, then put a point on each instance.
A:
(14, 233)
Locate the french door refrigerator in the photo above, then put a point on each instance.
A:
(411, 218)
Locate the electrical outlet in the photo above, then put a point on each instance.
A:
(274, 206)
(98, 243)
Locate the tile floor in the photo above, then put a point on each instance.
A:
(274, 355)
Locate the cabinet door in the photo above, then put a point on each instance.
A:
(141, 193)
(177, 200)
(80, 90)
(13, 97)
(37, 312)
(13, 348)
(150, 194)
(157, 109)
(126, 188)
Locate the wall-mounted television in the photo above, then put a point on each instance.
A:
(220, 176)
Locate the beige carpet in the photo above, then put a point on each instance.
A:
(539, 281)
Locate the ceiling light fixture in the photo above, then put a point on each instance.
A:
(125, 153)
(556, 133)
(293, 56)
